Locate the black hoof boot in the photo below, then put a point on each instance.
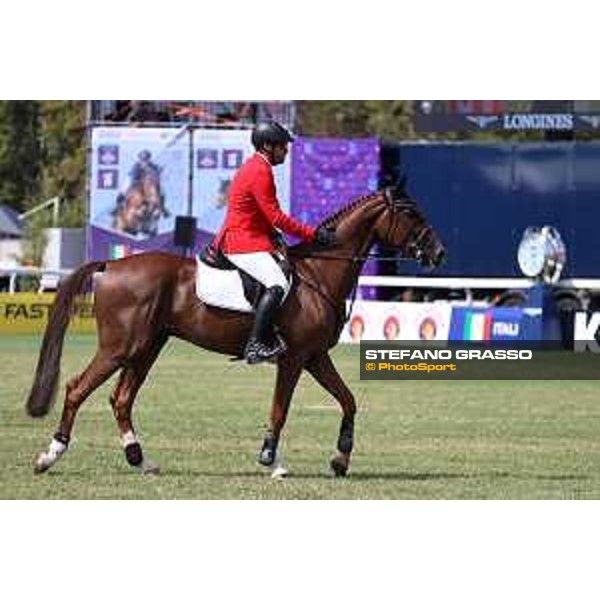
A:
(339, 467)
(266, 456)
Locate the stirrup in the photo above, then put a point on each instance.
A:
(257, 352)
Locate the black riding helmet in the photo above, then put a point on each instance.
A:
(270, 132)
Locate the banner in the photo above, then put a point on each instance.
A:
(139, 181)
(28, 313)
(373, 320)
(495, 324)
(218, 154)
(327, 174)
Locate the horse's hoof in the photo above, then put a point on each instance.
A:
(40, 465)
(339, 468)
(38, 469)
(279, 472)
(149, 468)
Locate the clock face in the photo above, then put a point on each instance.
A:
(532, 254)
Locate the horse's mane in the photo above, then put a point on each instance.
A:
(334, 218)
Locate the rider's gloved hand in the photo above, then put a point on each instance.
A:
(278, 239)
(325, 237)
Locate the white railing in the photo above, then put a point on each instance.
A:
(452, 283)
(470, 283)
(49, 278)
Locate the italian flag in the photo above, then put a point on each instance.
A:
(118, 251)
(477, 326)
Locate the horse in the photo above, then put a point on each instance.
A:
(141, 207)
(142, 300)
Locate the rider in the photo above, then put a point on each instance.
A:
(252, 220)
(144, 166)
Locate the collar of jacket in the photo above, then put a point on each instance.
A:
(261, 155)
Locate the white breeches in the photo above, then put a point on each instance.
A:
(263, 267)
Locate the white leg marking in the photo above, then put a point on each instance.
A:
(278, 469)
(128, 438)
(46, 459)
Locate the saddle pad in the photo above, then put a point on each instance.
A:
(223, 289)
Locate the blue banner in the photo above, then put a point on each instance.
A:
(506, 324)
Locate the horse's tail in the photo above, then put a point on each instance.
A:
(45, 382)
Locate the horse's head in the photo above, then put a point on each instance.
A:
(404, 227)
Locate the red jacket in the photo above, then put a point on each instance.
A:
(253, 212)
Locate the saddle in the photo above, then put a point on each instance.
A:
(221, 284)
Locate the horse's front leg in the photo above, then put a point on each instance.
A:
(323, 370)
(288, 373)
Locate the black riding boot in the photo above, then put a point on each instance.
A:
(263, 345)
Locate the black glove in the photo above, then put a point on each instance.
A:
(325, 237)
(278, 239)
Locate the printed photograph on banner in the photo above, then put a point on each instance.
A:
(218, 154)
(407, 321)
(138, 179)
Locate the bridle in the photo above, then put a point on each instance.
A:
(414, 247)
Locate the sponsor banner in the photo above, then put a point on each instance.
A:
(218, 154)
(490, 360)
(374, 320)
(472, 324)
(138, 184)
(507, 122)
(584, 328)
(28, 313)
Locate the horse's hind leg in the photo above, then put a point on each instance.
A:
(131, 379)
(77, 390)
(323, 370)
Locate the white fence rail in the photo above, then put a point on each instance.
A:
(468, 284)
(48, 276)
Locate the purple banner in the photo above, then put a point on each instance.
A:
(329, 173)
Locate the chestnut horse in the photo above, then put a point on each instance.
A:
(144, 299)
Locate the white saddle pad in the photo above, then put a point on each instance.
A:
(219, 288)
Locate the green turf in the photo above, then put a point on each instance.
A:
(201, 418)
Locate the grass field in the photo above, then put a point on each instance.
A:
(202, 419)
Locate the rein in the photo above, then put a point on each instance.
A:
(350, 257)
(339, 311)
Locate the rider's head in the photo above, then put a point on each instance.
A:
(272, 139)
(144, 156)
